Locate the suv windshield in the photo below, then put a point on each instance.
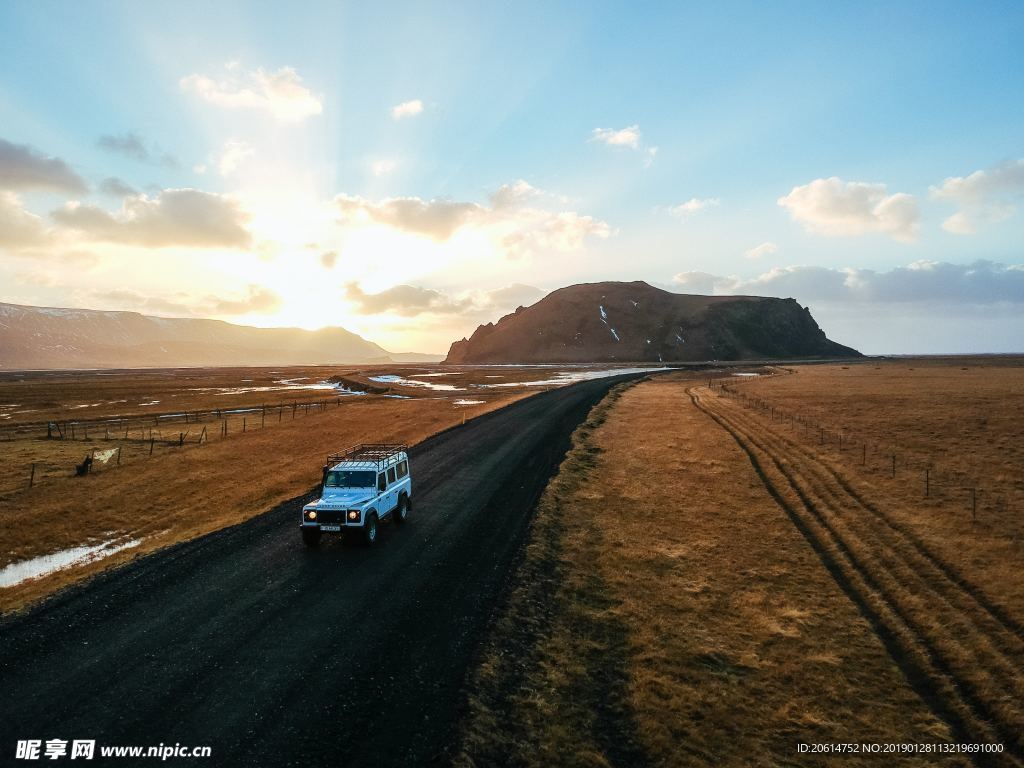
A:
(350, 478)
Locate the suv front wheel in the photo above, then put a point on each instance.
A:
(370, 529)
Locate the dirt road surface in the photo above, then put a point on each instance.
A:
(274, 655)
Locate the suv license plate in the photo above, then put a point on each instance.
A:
(330, 528)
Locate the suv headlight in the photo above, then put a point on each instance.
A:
(353, 514)
(311, 514)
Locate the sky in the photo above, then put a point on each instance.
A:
(411, 170)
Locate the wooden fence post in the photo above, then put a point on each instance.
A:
(894, 465)
(927, 483)
(32, 475)
(151, 443)
(119, 455)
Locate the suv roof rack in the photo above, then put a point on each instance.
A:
(372, 453)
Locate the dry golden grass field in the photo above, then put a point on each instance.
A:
(961, 421)
(167, 489)
(707, 585)
(50, 420)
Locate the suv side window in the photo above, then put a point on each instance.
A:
(391, 475)
(403, 469)
(382, 482)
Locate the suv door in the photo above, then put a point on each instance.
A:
(392, 488)
(386, 494)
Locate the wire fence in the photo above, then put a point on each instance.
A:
(41, 452)
(939, 483)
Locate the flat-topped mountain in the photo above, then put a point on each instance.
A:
(631, 322)
(50, 337)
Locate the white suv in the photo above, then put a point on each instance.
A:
(361, 487)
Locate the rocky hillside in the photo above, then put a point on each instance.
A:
(630, 322)
(45, 337)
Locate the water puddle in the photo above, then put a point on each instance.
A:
(390, 378)
(15, 573)
(569, 377)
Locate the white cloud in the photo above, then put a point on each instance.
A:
(281, 93)
(18, 228)
(835, 207)
(383, 166)
(406, 300)
(133, 146)
(521, 228)
(256, 299)
(515, 194)
(622, 137)
(764, 249)
(564, 231)
(407, 109)
(692, 206)
(25, 168)
(939, 283)
(437, 219)
(234, 153)
(983, 197)
(412, 300)
(174, 217)
(116, 187)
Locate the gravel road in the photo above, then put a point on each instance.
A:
(270, 654)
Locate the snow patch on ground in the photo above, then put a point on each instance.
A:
(615, 334)
(15, 573)
(569, 377)
(390, 378)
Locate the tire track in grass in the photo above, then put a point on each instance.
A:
(986, 653)
(978, 704)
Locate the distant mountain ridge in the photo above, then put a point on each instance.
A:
(52, 337)
(634, 322)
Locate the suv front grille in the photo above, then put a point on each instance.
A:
(331, 516)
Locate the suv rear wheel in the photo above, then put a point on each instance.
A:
(370, 529)
(310, 536)
(404, 507)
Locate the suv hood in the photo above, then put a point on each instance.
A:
(345, 496)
